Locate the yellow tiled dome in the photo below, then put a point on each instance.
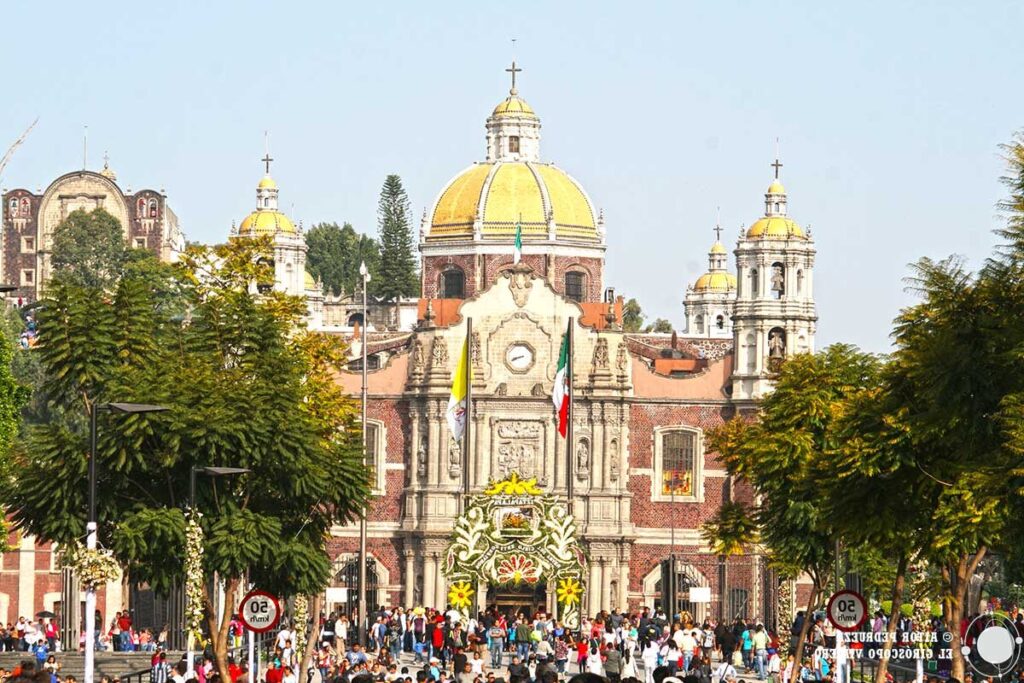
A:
(718, 248)
(265, 222)
(716, 282)
(267, 183)
(776, 187)
(310, 283)
(776, 227)
(504, 193)
(513, 105)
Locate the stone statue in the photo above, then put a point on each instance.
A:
(454, 457)
(622, 358)
(601, 354)
(613, 459)
(582, 457)
(778, 279)
(439, 353)
(421, 457)
(417, 355)
(776, 345)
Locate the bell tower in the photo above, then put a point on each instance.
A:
(775, 316)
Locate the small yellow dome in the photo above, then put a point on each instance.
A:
(776, 187)
(776, 227)
(267, 183)
(503, 194)
(715, 282)
(265, 222)
(310, 283)
(513, 105)
(718, 248)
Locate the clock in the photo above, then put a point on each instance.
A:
(519, 357)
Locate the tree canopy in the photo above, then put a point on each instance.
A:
(335, 254)
(88, 248)
(243, 388)
(398, 275)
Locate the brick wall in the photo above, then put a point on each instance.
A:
(491, 266)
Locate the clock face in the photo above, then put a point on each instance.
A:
(519, 357)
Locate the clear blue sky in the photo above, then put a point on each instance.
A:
(890, 115)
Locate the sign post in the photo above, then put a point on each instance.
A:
(259, 612)
(847, 610)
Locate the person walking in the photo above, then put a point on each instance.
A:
(496, 635)
(650, 659)
(612, 664)
(629, 669)
(759, 643)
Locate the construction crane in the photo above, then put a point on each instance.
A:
(17, 143)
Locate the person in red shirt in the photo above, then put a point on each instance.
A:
(234, 671)
(124, 622)
(275, 673)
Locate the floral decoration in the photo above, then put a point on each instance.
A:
(513, 486)
(94, 568)
(193, 575)
(517, 569)
(460, 595)
(301, 617)
(569, 591)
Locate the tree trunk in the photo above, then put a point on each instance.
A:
(312, 637)
(957, 578)
(812, 606)
(894, 614)
(219, 625)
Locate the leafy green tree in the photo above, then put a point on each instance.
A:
(243, 390)
(632, 316)
(398, 274)
(88, 248)
(781, 454)
(335, 254)
(660, 326)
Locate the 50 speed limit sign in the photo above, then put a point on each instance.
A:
(847, 610)
(260, 611)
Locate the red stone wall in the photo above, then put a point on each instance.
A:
(491, 266)
(387, 551)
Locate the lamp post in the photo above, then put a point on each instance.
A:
(90, 527)
(210, 472)
(361, 588)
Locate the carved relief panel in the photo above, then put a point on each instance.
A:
(519, 448)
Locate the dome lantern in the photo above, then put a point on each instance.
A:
(513, 129)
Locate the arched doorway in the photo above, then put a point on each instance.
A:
(512, 600)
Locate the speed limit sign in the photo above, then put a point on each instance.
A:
(847, 610)
(260, 611)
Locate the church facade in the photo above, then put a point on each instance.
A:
(636, 480)
(29, 219)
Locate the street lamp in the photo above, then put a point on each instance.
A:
(365, 273)
(90, 527)
(210, 472)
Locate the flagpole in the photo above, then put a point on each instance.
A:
(568, 426)
(469, 413)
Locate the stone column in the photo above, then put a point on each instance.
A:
(624, 582)
(429, 580)
(433, 444)
(410, 576)
(594, 585)
(481, 454)
(441, 588)
(606, 584)
(414, 448)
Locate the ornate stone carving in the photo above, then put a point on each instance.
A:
(622, 358)
(421, 455)
(474, 349)
(439, 353)
(538, 390)
(601, 354)
(613, 459)
(519, 458)
(501, 390)
(583, 458)
(519, 430)
(520, 282)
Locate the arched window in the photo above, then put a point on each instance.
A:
(152, 208)
(720, 321)
(355, 319)
(575, 285)
(140, 208)
(14, 208)
(678, 464)
(750, 351)
(25, 206)
(799, 282)
(453, 284)
(753, 282)
(699, 323)
(513, 144)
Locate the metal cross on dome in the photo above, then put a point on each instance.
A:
(513, 70)
(266, 146)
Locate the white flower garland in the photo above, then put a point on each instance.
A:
(94, 568)
(301, 617)
(194, 574)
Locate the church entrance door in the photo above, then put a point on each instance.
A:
(513, 600)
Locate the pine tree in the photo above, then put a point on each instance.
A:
(398, 273)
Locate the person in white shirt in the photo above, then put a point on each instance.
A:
(650, 657)
(725, 671)
(283, 636)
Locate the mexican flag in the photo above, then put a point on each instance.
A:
(456, 413)
(517, 255)
(560, 393)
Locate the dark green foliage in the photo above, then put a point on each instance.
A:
(88, 248)
(398, 275)
(243, 391)
(335, 254)
(632, 316)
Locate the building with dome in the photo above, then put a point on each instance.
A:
(29, 219)
(634, 481)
